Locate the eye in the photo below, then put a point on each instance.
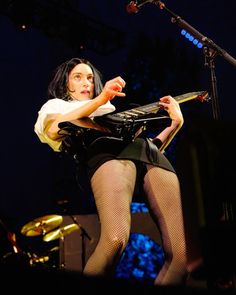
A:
(77, 77)
(90, 78)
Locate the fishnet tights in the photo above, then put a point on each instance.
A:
(113, 185)
(163, 194)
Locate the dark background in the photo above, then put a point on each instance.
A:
(146, 49)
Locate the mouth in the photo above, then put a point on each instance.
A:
(85, 92)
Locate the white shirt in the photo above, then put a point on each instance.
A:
(59, 106)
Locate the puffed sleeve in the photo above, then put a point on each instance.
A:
(53, 106)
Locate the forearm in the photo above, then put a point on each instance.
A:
(166, 136)
(81, 112)
(166, 133)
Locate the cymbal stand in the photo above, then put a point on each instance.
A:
(62, 252)
(83, 235)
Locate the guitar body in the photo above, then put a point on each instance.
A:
(128, 128)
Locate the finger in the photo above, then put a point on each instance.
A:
(164, 106)
(120, 81)
(165, 98)
(118, 86)
(120, 94)
(117, 93)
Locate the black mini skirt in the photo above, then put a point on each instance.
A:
(140, 151)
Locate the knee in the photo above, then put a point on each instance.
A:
(118, 241)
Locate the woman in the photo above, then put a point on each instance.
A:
(119, 168)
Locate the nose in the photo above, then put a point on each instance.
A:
(85, 82)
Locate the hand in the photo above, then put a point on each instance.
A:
(113, 88)
(170, 105)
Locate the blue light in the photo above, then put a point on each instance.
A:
(138, 207)
(187, 35)
(141, 260)
(191, 38)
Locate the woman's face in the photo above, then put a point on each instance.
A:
(81, 82)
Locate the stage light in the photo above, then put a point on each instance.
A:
(191, 38)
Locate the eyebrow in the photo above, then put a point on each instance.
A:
(76, 73)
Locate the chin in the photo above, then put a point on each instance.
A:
(83, 98)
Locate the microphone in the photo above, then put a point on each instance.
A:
(134, 6)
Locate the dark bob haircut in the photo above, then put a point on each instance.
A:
(58, 86)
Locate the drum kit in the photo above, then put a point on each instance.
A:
(49, 227)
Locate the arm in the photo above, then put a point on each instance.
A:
(172, 107)
(111, 89)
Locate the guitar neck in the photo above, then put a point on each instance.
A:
(153, 108)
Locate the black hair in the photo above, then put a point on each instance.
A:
(58, 86)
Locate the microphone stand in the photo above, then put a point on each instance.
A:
(210, 50)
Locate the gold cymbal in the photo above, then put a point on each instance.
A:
(41, 225)
(61, 232)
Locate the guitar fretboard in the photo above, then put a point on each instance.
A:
(152, 108)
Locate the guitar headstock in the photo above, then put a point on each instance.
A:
(203, 96)
(198, 95)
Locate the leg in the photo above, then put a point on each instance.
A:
(113, 186)
(163, 194)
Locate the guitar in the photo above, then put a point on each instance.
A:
(126, 124)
